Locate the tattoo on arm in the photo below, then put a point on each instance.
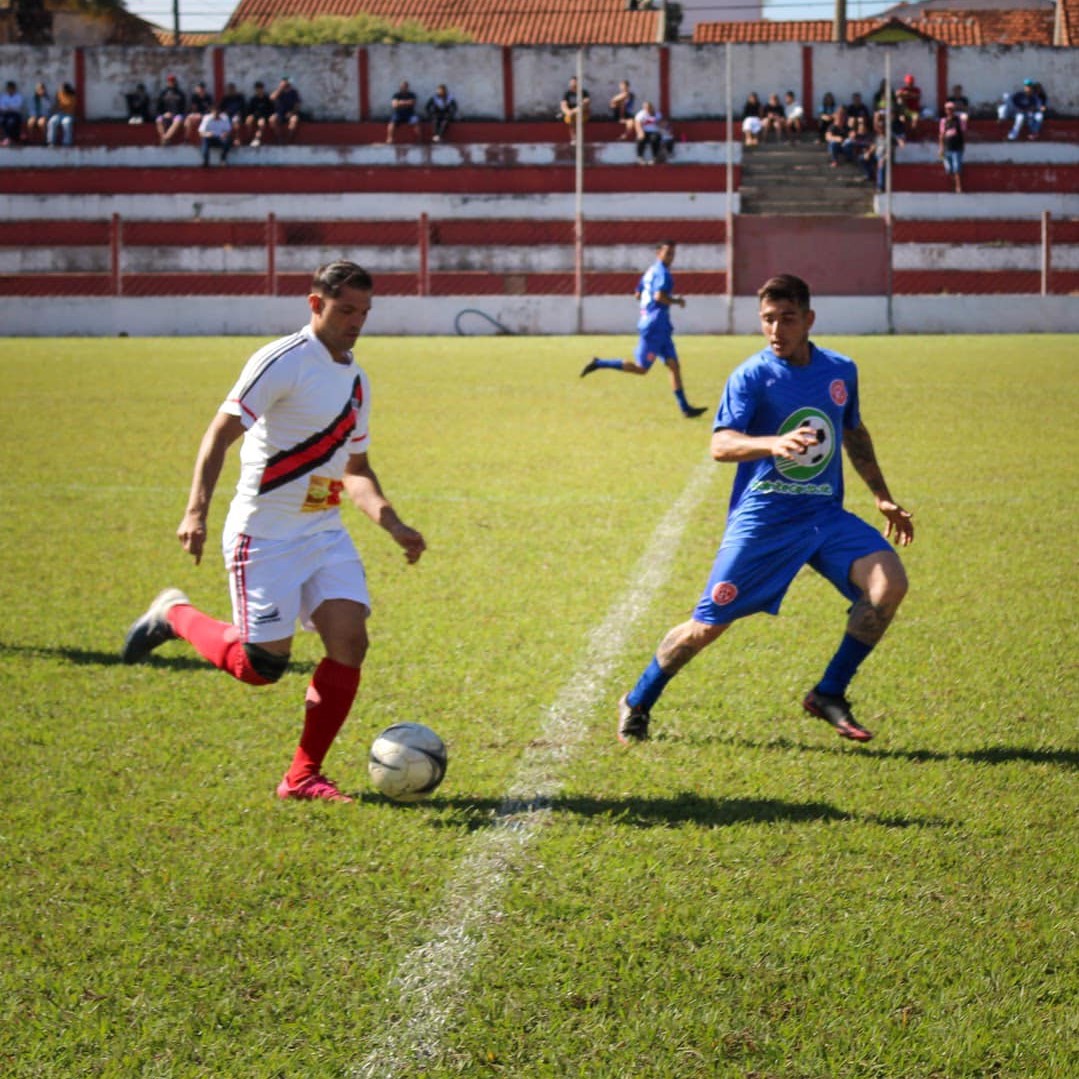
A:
(864, 459)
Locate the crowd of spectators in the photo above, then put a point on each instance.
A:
(852, 133)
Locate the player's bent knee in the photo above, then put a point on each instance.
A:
(268, 665)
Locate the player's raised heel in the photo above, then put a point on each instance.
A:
(632, 722)
(312, 789)
(835, 710)
(153, 628)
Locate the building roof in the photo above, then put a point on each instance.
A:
(493, 22)
(188, 38)
(995, 27)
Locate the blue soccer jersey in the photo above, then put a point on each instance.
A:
(655, 316)
(767, 396)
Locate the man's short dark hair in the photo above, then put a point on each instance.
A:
(786, 286)
(334, 276)
(666, 243)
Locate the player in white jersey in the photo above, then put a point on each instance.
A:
(301, 405)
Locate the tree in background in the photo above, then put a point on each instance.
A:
(338, 30)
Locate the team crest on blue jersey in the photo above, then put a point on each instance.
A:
(814, 459)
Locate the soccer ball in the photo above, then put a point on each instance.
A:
(407, 762)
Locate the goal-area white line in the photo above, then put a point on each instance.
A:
(430, 980)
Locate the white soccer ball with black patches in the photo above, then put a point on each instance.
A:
(407, 762)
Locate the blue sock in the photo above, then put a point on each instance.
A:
(844, 665)
(680, 397)
(649, 686)
(614, 365)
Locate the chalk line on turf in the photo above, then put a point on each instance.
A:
(431, 978)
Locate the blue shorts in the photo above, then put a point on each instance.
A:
(752, 572)
(657, 345)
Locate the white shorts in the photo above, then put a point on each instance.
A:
(274, 583)
(752, 125)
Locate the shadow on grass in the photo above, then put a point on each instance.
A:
(83, 657)
(1063, 758)
(679, 809)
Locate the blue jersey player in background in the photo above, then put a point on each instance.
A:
(655, 292)
(785, 414)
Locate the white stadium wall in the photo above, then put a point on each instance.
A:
(328, 76)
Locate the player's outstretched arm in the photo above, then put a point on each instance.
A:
(224, 429)
(363, 488)
(900, 522)
(733, 446)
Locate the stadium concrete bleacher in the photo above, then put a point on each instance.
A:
(487, 220)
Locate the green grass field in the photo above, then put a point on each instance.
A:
(747, 895)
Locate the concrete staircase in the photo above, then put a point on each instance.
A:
(796, 179)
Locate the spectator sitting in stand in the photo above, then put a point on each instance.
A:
(62, 122)
(649, 136)
(960, 101)
(836, 136)
(774, 117)
(403, 111)
(171, 106)
(11, 114)
(200, 105)
(140, 109)
(285, 121)
(793, 116)
(826, 115)
(441, 109)
(215, 131)
(908, 101)
(880, 98)
(1028, 106)
(624, 110)
(858, 140)
(858, 108)
(573, 104)
(666, 137)
(951, 143)
(752, 120)
(232, 106)
(259, 111)
(38, 112)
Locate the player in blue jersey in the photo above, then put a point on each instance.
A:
(655, 292)
(784, 415)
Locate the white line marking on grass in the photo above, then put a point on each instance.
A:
(430, 979)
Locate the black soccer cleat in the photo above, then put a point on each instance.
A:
(693, 412)
(632, 722)
(592, 365)
(835, 710)
(153, 628)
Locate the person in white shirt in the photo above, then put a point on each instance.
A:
(301, 406)
(794, 115)
(215, 130)
(649, 133)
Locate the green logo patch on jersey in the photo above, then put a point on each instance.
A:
(814, 459)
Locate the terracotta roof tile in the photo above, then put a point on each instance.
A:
(495, 22)
(1020, 27)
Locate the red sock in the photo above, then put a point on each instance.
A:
(329, 697)
(219, 642)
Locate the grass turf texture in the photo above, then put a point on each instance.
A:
(744, 896)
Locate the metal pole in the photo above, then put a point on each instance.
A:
(889, 150)
(271, 255)
(728, 111)
(578, 201)
(1047, 252)
(423, 281)
(116, 232)
(175, 22)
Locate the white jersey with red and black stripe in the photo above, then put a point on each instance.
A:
(304, 415)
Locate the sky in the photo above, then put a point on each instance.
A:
(213, 14)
